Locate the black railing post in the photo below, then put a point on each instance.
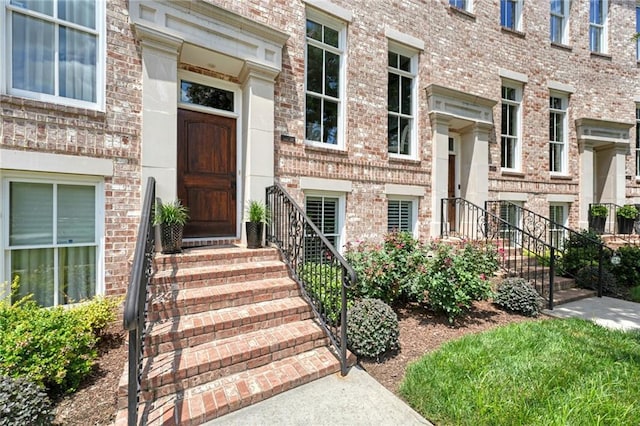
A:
(552, 273)
(343, 327)
(600, 268)
(442, 205)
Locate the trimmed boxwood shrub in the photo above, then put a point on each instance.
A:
(23, 403)
(517, 295)
(372, 328)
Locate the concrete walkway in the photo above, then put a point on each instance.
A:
(357, 399)
(605, 311)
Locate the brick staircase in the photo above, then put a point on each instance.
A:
(227, 328)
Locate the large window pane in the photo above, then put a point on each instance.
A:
(392, 124)
(77, 273)
(330, 122)
(81, 12)
(406, 95)
(314, 69)
(42, 6)
(31, 214)
(32, 53)
(76, 214)
(36, 272)
(393, 93)
(314, 113)
(332, 74)
(77, 65)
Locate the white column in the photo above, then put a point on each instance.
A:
(619, 158)
(474, 164)
(439, 169)
(160, 54)
(586, 182)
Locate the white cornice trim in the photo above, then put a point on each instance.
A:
(54, 163)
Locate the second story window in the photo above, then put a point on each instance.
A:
(400, 103)
(55, 51)
(558, 134)
(511, 14)
(559, 21)
(461, 4)
(510, 130)
(598, 26)
(324, 85)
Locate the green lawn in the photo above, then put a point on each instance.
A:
(553, 372)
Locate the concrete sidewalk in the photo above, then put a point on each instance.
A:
(605, 311)
(357, 399)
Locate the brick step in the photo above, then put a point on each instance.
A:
(513, 261)
(186, 368)
(571, 295)
(217, 274)
(206, 256)
(211, 400)
(195, 329)
(174, 303)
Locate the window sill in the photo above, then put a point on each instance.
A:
(560, 177)
(513, 32)
(49, 107)
(512, 173)
(461, 12)
(599, 55)
(561, 46)
(402, 159)
(333, 149)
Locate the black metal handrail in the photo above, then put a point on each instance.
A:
(136, 300)
(322, 273)
(524, 252)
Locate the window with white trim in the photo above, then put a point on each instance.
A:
(55, 51)
(558, 217)
(52, 238)
(637, 141)
(510, 213)
(324, 81)
(598, 26)
(558, 133)
(401, 102)
(511, 14)
(559, 21)
(326, 211)
(401, 215)
(510, 130)
(465, 5)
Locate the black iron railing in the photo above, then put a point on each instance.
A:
(608, 223)
(322, 273)
(530, 245)
(135, 307)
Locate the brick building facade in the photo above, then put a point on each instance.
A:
(368, 112)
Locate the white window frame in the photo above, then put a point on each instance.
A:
(557, 235)
(505, 214)
(467, 5)
(564, 19)
(564, 98)
(54, 179)
(517, 20)
(414, 212)
(602, 26)
(341, 51)
(6, 64)
(413, 117)
(637, 142)
(517, 103)
(341, 238)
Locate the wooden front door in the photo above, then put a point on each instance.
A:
(451, 193)
(207, 173)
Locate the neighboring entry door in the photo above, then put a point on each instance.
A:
(451, 206)
(207, 173)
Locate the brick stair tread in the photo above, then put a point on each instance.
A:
(571, 295)
(218, 320)
(217, 270)
(228, 254)
(252, 349)
(190, 296)
(214, 399)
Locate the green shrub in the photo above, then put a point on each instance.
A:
(634, 294)
(323, 283)
(580, 251)
(98, 312)
(628, 271)
(372, 328)
(587, 277)
(517, 295)
(456, 279)
(390, 271)
(23, 403)
(52, 347)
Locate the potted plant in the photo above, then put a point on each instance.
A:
(598, 217)
(171, 217)
(258, 216)
(626, 217)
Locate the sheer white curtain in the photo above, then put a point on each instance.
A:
(32, 54)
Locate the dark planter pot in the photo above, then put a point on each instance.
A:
(254, 234)
(625, 226)
(171, 238)
(596, 224)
